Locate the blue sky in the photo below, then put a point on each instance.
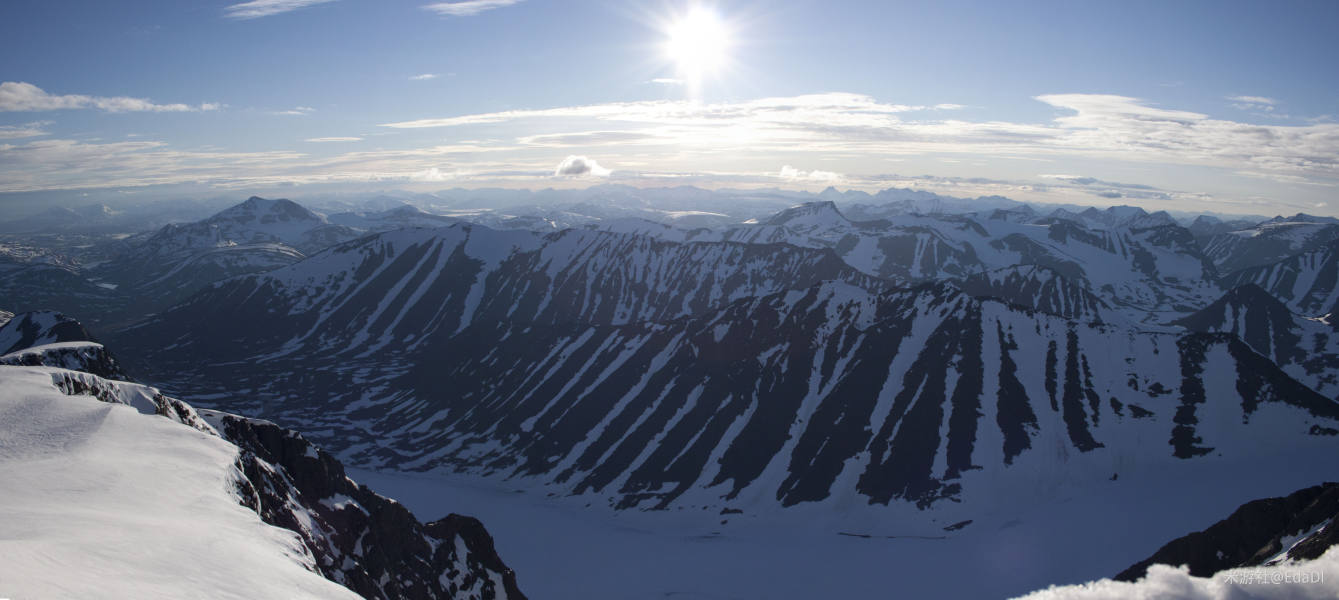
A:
(1220, 106)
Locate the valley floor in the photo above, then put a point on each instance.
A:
(562, 549)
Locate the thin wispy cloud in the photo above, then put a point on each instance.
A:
(18, 96)
(742, 142)
(1253, 103)
(1252, 99)
(1096, 125)
(296, 111)
(28, 130)
(837, 108)
(256, 9)
(423, 77)
(467, 8)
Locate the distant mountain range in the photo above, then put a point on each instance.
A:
(655, 365)
(901, 355)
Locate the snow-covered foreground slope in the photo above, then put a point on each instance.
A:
(113, 490)
(1310, 580)
(100, 500)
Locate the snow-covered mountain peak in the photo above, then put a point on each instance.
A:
(1116, 217)
(259, 212)
(810, 214)
(407, 210)
(1303, 218)
(1246, 305)
(1021, 214)
(831, 193)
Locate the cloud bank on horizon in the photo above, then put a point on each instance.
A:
(1233, 146)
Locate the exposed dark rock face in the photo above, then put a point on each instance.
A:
(643, 369)
(48, 338)
(1307, 282)
(363, 541)
(1307, 349)
(26, 330)
(87, 357)
(1040, 289)
(785, 391)
(401, 289)
(1299, 526)
(40, 287)
(1267, 243)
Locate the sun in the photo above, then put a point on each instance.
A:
(699, 44)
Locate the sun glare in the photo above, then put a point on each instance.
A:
(698, 44)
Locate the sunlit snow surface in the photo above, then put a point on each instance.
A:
(1317, 579)
(100, 501)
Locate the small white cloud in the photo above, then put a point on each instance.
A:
(432, 174)
(264, 8)
(668, 81)
(580, 166)
(1253, 103)
(467, 8)
(16, 96)
(335, 139)
(1075, 179)
(792, 174)
(296, 111)
(1252, 100)
(423, 77)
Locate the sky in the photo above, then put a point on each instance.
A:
(1219, 106)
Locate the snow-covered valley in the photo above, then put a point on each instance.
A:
(1089, 532)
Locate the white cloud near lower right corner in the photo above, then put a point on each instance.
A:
(1317, 578)
(580, 166)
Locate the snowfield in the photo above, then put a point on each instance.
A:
(1080, 531)
(100, 500)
